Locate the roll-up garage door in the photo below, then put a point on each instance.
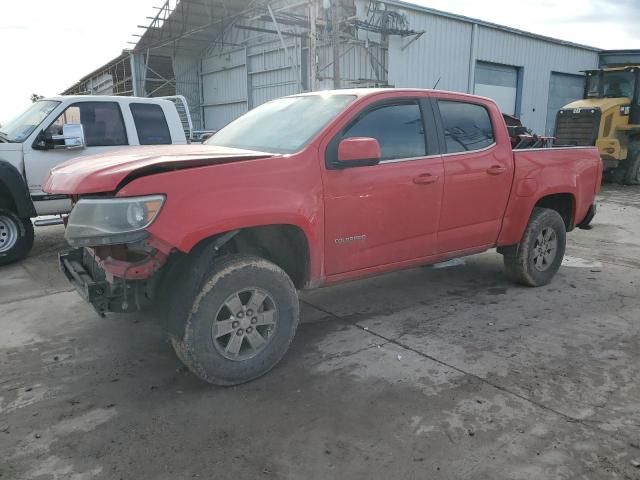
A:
(500, 83)
(563, 89)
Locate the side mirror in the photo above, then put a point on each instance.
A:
(72, 137)
(359, 152)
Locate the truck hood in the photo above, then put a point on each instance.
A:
(110, 171)
(10, 147)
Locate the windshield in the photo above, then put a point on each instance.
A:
(612, 85)
(285, 125)
(19, 129)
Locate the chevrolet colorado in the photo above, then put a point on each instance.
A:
(306, 191)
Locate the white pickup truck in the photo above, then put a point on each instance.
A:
(59, 129)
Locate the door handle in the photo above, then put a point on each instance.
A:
(496, 170)
(425, 179)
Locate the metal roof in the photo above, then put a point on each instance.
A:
(495, 26)
(104, 98)
(192, 25)
(107, 66)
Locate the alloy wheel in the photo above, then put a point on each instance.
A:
(545, 249)
(245, 324)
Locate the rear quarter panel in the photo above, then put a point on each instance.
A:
(543, 172)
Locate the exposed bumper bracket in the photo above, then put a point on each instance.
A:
(119, 295)
(94, 292)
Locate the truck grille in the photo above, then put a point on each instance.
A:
(578, 128)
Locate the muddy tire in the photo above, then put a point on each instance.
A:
(16, 237)
(538, 257)
(616, 175)
(241, 321)
(632, 176)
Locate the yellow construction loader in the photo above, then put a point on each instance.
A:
(609, 118)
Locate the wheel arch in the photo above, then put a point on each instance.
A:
(14, 193)
(283, 244)
(515, 224)
(563, 203)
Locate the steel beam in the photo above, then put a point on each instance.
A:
(294, 65)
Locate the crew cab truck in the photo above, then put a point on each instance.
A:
(306, 191)
(58, 129)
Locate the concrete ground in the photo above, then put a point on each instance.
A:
(448, 373)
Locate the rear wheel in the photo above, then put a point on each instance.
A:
(617, 175)
(241, 321)
(632, 176)
(16, 237)
(539, 256)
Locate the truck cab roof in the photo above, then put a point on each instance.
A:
(368, 92)
(104, 98)
(614, 69)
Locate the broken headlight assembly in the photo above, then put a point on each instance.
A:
(98, 221)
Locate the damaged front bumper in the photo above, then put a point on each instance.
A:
(105, 292)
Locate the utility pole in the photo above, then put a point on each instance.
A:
(313, 44)
(335, 30)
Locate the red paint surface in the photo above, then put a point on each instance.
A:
(357, 221)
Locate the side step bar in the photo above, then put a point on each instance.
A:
(48, 222)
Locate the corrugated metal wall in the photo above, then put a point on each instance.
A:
(361, 66)
(445, 54)
(232, 80)
(238, 80)
(187, 75)
(441, 56)
(270, 70)
(537, 59)
(224, 88)
(235, 79)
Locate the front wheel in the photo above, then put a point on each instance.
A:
(539, 255)
(241, 322)
(16, 237)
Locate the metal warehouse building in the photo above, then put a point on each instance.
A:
(228, 56)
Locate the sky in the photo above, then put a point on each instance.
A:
(47, 46)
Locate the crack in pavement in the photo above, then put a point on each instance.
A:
(349, 354)
(32, 297)
(586, 423)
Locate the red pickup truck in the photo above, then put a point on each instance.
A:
(306, 191)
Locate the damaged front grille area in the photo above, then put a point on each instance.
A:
(90, 280)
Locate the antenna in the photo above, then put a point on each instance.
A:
(434, 87)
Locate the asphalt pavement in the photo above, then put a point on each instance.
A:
(430, 373)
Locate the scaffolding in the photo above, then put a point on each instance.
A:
(113, 78)
(320, 43)
(193, 26)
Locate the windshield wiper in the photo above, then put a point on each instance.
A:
(4, 137)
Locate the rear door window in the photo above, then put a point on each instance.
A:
(467, 126)
(151, 124)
